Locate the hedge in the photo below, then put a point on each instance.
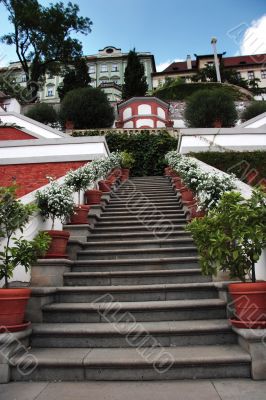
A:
(181, 91)
(239, 163)
(147, 148)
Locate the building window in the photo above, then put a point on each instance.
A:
(91, 69)
(251, 75)
(114, 68)
(50, 92)
(104, 68)
(239, 75)
(50, 75)
(23, 78)
(104, 81)
(263, 74)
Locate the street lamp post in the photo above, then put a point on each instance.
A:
(216, 61)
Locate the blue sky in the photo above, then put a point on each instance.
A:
(168, 29)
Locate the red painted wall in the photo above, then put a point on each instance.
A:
(14, 134)
(30, 177)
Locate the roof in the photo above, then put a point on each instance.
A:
(245, 60)
(229, 62)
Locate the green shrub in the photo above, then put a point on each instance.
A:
(147, 148)
(239, 163)
(87, 108)
(255, 108)
(205, 107)
(44, 113)
(181, 91)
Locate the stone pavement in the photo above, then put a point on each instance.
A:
(229, 389)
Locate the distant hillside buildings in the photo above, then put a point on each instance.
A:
(107, 68)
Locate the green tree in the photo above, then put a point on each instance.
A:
(42, 37)
(134, 78)
(75, 77)
(44, 113)
(205, 107)
(87, 108)
(255, 108)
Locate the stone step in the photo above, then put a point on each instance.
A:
(160, 205)
(133, 216)
(130, 335)
(134, 364)
(156, 230)
(158, 200)
(135, 264)
(163, 222)
(135, 277)
(170, 310)
(140, 236)
(137, 191)
(134, 196)
(170, 291)
(136, 244)
(118, 211)
(139, 253)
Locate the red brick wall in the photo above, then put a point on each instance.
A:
(30, 177)
(14, 134)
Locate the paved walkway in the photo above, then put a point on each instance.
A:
(230, 389)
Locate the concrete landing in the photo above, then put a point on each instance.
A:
(229, 389)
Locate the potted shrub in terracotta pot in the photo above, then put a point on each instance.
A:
(16, 251)
(127, 162)
(78, 180)
(231, 238)
(96, 170)
(56, 201)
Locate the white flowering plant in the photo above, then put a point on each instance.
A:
(211, 188)
(208, 187)
(115, 159)
(55, 201)
(78, 180)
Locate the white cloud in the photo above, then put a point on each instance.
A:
(254, 38)
(160, 67)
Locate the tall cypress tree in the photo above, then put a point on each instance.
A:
(76, 77)
(135, 83)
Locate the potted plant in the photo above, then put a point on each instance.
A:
(78, 180)
(231, 238)
(16, 251)
(56, 201)
(95, 171)
(127, 162)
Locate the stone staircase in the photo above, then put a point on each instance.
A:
(135, 305)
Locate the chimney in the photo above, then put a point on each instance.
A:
(189, 64)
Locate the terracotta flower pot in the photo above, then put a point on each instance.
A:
(251, 176)
(178, 184)
(117, 172)
(249, 303)
(186, 194)
(217, 123)
(93, 196)
(196, 214)
(111, 178)
(167, 171)
(105, 186)
(80, 215)
(13, 304)
(58, 244)
(125, 174)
